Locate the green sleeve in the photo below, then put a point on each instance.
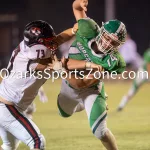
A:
(121, 65)
(87, 28)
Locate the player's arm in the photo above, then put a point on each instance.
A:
(40, 64)
(66, 35)
(81, 83)
(120, 64)
(71, 64)
(41, 67)
(79, 9)
(55, 64)
(68, 64)
(89, 79)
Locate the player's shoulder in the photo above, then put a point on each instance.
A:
(87, 28)
(35, 51)
(117, 54)
(119, 58)
(87, 20)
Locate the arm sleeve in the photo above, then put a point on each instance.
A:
(87, 28)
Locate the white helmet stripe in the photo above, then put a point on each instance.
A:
(120, 27)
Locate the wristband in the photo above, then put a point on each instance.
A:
(73, 31)
(88, 65)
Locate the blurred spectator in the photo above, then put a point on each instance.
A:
(130, 54)
(142, 76)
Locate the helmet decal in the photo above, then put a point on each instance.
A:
(36, 31)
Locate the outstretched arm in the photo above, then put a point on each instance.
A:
(80, 8)
(78, 83)
(71, 64)
(66, 35)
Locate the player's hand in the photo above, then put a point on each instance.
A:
(96, 67)
(84, 4)
(75, 28)
(56, 65)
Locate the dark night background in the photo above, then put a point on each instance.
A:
(135, 14)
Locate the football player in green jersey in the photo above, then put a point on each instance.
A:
(142, 76)
(98, 45)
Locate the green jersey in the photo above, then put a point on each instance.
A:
(81, 49)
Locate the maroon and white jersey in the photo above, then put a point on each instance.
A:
(21, 83)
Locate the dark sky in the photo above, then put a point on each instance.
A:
(135, 14)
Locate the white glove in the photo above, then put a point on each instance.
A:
(56, 65)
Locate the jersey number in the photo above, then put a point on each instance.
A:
(40, 52)
(112, 58)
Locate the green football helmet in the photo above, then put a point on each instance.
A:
(112, 35)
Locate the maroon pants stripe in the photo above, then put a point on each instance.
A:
(26, 124)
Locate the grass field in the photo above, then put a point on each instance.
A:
(131, 127)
